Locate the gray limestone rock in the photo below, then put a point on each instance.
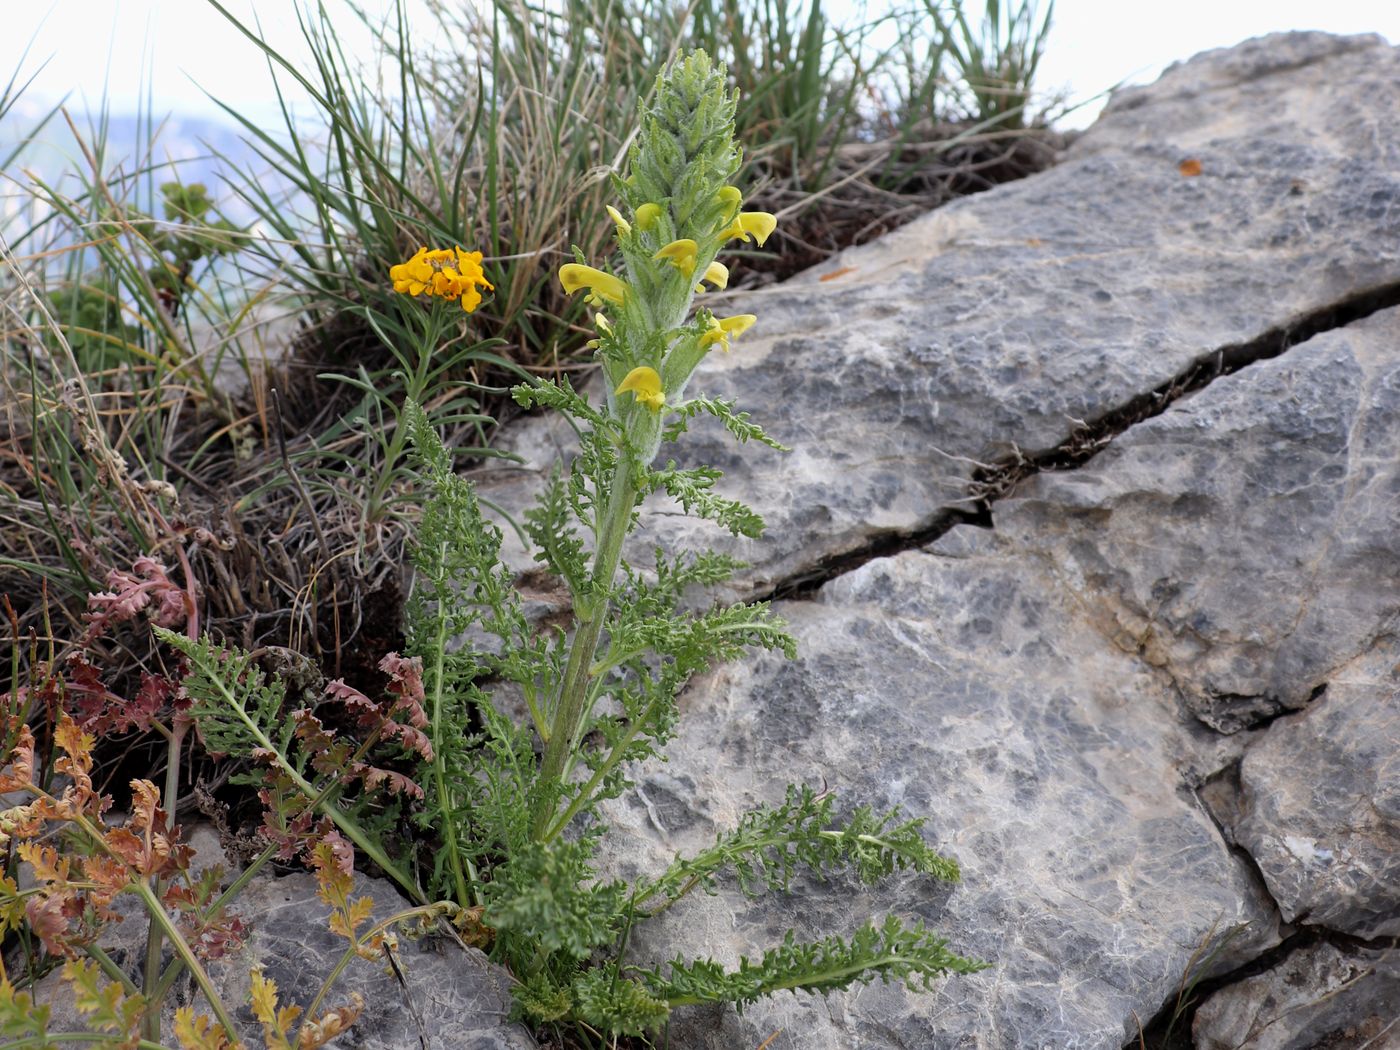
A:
(1245, 540)
(1320, 802)
(1053, 695)
(451, 996)
(978, 693)
(1319, 998)
(995, 325)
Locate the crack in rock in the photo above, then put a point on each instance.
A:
(995, 481)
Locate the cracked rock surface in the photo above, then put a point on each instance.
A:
(1319, 998)
(1215, 590)
(993, 327)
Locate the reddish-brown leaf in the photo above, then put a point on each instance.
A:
(19, 774)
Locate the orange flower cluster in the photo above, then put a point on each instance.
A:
(447, 273)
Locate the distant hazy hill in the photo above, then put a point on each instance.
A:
(172, 147)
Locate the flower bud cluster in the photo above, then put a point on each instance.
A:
(678, 211)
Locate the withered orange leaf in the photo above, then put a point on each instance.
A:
(320, 1031)
(49, 923)
(197, 1032)
(19, 774)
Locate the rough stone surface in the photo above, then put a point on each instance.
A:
(997, 322)
(1052, 693)
(457, 997)
(1160, 692)
(1320, 802)
(1245, 540)
(1319, 998)
(973, 690)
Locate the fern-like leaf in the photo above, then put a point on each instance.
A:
(889, 951)
(772, 843)
(737, 423)
(693, 489)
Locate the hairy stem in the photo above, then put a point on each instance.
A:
(446, 805)
(592, 609)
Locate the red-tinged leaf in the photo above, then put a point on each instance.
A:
(156, 691)
(19, 774)
(85, 694)
(129, 847)
(351, 697)
(109, 877)
(406, 686)
(342, 853)
(128, 593)
(416, 741)
(214, 940)
(49, 922)
(395, 783)
(333, 883)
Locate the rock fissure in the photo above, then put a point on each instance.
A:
(1177, 1015)
(994, 481)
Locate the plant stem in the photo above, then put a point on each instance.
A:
(446, 804)
(592, 609)
(151, 975)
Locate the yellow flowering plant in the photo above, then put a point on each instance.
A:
(511, 806)
(518, 805)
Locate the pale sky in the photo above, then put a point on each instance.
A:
(179, 47)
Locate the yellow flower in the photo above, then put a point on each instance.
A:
(623, 226)
(413, 276)
(469, 269)
(448, 273)
(645, 383)
(717, 274)
(647, 215)
(759, 223)
(574, 276)
(604, 328)
(681, 254)
(723, 330)
(730, 195)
